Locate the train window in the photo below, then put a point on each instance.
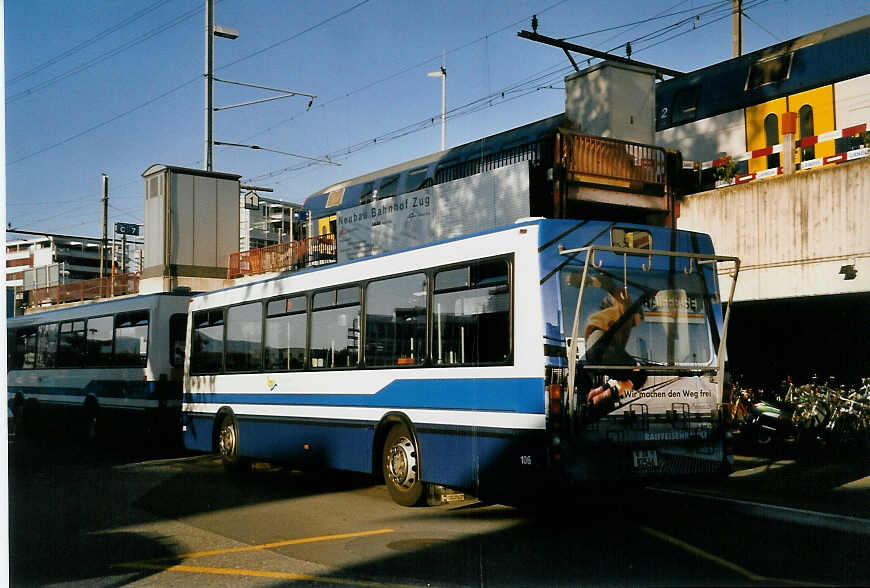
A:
(685, 105)
(472, 325)
(207, 342)
(388, 187)
(771, 137)
(131, 338)
(334, 198)
(446, 171)
(335, 328)
(396, 321)
(367, 193)
(71, 344)
(769, 71)
(46, 350)
(417, 179)
(286, 333)
(805, 122)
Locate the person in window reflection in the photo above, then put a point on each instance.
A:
(607, 332)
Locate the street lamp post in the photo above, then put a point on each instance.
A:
(442, 73)
(211, 32)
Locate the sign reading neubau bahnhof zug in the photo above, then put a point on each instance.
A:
(480, 202)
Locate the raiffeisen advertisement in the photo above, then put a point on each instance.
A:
(646, 355)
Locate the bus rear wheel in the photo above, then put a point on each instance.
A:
(227, 445)
(401, 467)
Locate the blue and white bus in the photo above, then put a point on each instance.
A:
(101, 362)
(448, 363)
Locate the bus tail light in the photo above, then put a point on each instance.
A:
(555, 394)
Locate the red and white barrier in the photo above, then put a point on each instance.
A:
(804, 165)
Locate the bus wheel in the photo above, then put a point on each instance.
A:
(401, 467)
(228, 445)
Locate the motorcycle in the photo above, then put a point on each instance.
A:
(768, 424)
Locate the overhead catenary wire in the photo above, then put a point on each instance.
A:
(86, 43)
(499, 96)
(104, 56)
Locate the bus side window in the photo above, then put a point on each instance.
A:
(23, 348)
(244, 346)
(286, 333)
(177, 335)
(131, 338)
(46, 350)
(335, 328)
(207, 342)
(71, 344)
(471, 319)
(99, 341)
(396, 321)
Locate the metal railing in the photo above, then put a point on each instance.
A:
(609, 161)
(82, 290)
(283, 256)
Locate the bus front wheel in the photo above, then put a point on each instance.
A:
(401, 467)
(227, 445)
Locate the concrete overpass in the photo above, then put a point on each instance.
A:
(799, 306)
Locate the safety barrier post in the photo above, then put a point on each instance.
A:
(789, 124)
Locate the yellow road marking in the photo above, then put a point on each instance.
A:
(258, 574)
(272, 545)
(720, 561)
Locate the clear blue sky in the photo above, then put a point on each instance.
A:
(113, 86)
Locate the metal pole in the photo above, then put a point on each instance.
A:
(209, 85)
(444, 110)
(443, 102)
(103, 242)
(737, 27)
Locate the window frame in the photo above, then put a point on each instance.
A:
(142, 362)
(193, 328)
(472, 285)
(307, 315)
(226, 325)
(428, 275)
(313, 310)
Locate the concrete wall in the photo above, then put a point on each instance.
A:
(792, 234)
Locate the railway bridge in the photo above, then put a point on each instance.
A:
(802, 302)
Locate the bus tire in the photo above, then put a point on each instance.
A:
(227, 445)
(401, 467)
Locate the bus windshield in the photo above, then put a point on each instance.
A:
(640, 317)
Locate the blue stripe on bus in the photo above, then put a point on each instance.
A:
(525, 395)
